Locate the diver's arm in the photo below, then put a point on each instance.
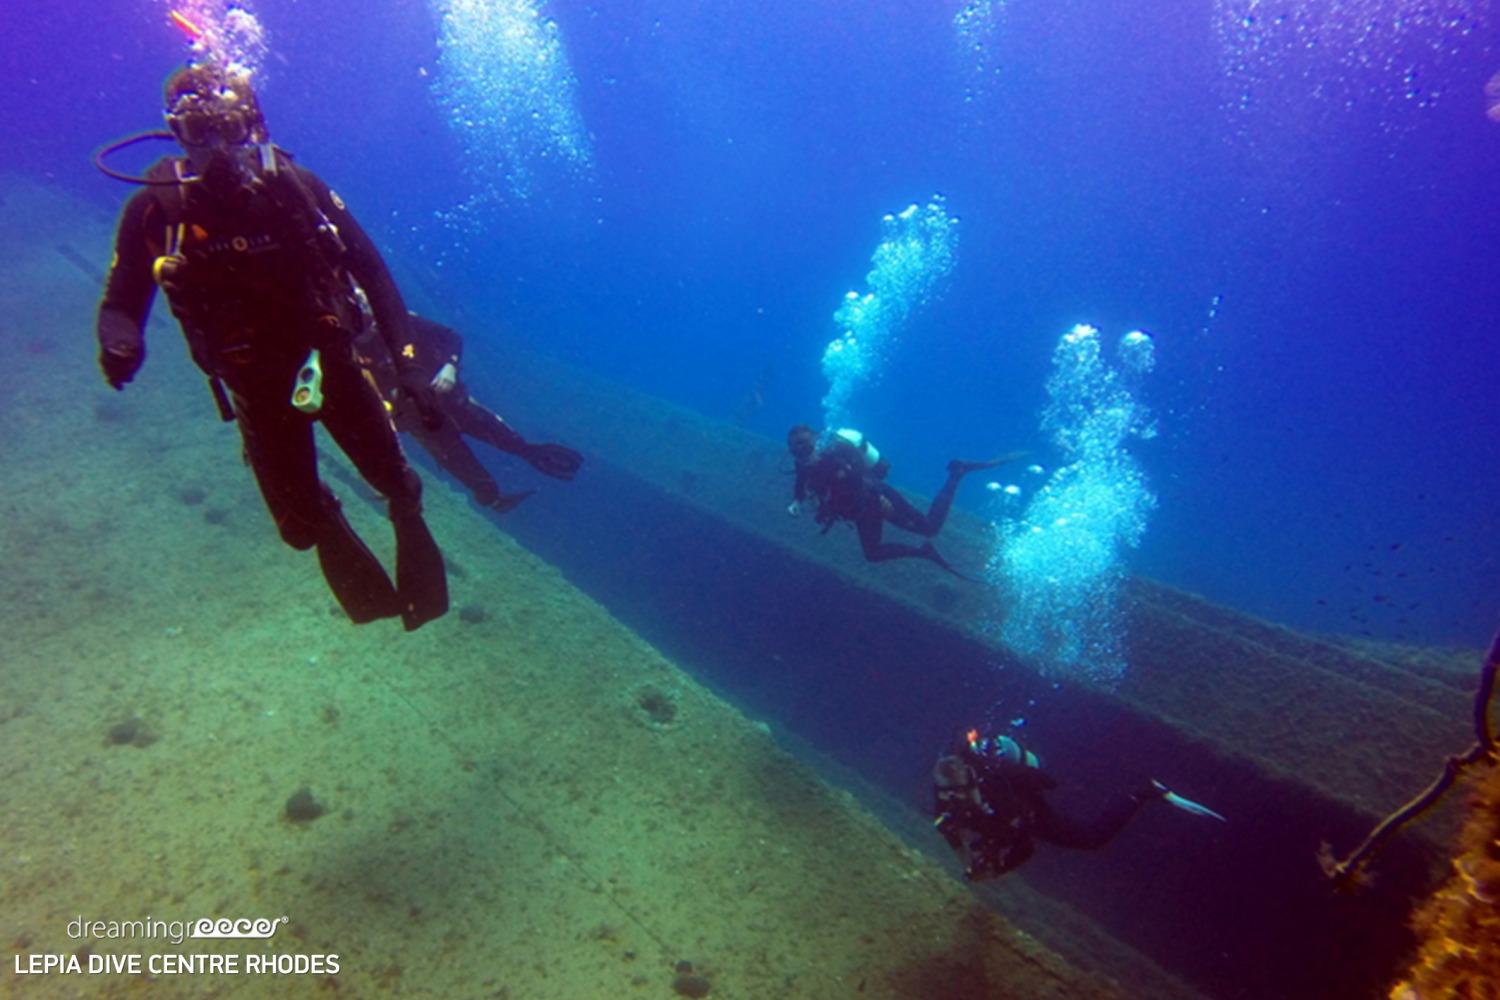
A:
(799, 483)
(368, 268)
(444, 342)
(441, 350)
(128, 292)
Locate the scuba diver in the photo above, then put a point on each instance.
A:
(258, 259)
(436, 351)
(846, 477)
(989, 797)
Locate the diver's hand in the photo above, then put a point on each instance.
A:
(122, 349)
(444, 380)
(120, 363)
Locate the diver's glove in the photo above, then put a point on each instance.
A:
(122, 349)
(552, 460)
(422, 398)
(445, 379)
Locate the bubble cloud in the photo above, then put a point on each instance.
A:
(504, 81)
(1059, 566)
(914, 255)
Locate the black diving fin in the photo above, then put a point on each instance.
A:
(355, 576)
(553, 460)
(508, 501)
(929, 552)
(421, 577)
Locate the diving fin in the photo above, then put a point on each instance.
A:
(508, 501)
(929, 552)
(355, 576)
(1186, 805)
(958, 467)
(553, 460)
(421, 577)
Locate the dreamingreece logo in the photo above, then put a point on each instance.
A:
(227, 927)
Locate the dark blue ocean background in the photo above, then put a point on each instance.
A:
(1301, 207)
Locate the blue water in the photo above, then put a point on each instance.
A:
(1300, 203)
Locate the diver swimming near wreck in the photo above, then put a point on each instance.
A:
(990, 803)
(436, 351)
(845, 477)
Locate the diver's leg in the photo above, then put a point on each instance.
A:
(278, 442)
(446, 446)
(555, 460)
(279, 447)
(482, 424)
(871, 528)
(451, 451)
(357, 420)
(898, 510)
(1090, 835)
(908, 518)
(937, 514)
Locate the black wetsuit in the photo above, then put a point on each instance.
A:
(847, 489)
(259, 276)
(429, 347)
(992, 811)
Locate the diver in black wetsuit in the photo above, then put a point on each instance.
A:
(436, 351)
(846, 476)
(990, 800)
(258, 259)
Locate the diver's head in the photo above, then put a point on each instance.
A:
(215, 117)
(997, 748)
(801, 441)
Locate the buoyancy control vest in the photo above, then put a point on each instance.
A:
(254, 274)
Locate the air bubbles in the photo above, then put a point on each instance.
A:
(914, 255)
(504, 78)
(1138, 352)
(1342, 53)
(1060, 564)
(232, 35)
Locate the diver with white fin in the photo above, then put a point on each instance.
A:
(989, 799)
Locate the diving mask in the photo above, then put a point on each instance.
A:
(207, 106)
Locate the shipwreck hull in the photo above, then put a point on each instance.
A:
(1298, 739)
